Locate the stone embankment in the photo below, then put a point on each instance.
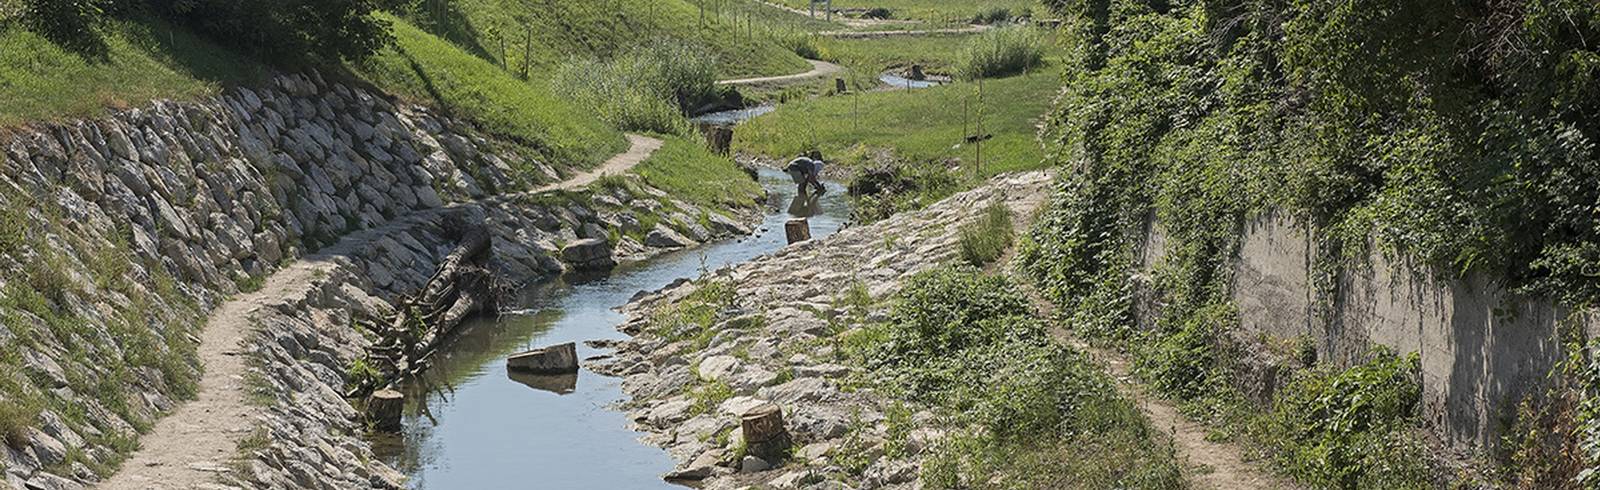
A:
(776, 344)
(120, 233)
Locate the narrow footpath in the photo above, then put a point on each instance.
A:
(819, 69)
(188, 447)
(1207, 464)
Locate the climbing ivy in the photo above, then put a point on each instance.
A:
(1456, 133)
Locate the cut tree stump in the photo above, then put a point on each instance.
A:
(916, 73)
(384, 409)
(555, 359)
(765, 436)
(798, 230)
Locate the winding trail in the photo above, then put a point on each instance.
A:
(1207, 464)
(188, 447)
(973, 29)
(819, 69)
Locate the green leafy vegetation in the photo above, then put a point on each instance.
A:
(949, 12)
(531, 38)
(426, 68)
(692, 317)
(985, 240)
(968, 345)
(1413, 126)
(915, 136)
(1000, 52)
(647, 89)
(1346, 428)
(142, 60)
(687, 170)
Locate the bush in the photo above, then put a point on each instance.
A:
(1000, 52)
(327, 30)
(646, 89)
(878, 13)
(984, 240)
(1047, 417)
(69, 23)
(1348, 429)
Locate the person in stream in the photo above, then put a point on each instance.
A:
(806, 169)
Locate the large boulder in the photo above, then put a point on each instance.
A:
(588, 254)
(664, 237)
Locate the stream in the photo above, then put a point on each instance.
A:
(478, 426)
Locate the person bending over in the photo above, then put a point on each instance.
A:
(806, 169)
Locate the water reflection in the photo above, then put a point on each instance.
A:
(469, 426)
(560, 384)
(805, 204)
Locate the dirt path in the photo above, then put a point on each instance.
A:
(914, 32)
(1208, 464)
(1211, 465)
(188, 447)
(819, 69)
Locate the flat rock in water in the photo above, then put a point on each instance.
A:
(556, 359)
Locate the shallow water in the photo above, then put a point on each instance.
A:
(898, 81)
(479, 427)
(736, 116)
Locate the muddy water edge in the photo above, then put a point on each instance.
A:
(472, 424)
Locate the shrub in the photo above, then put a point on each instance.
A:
(1347, 429)
(69, 23)
(330, 30)
(1000, 52)
(986, 239)
(878, 13)
(646, 89)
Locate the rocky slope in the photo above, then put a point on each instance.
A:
(116, 235)
(773, 341)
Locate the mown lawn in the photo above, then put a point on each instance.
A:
(426, 68)
(138, 62)
(689, 171)
(547, 32)
(942, 11)
(924, 125)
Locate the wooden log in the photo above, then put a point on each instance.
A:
(555, 359)
(384, 409)
(798, 230)
(765, 436)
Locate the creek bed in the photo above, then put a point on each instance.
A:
(478, 426)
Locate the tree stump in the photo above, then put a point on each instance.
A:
(798, 230)
(838, 85)
(384, 409)
(555, 359)
(765, 436)
(916, 73)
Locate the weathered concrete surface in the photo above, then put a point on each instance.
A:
(775, 345)
(1483, 349)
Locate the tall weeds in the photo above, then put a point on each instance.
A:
(646, 89)
(1000, 52)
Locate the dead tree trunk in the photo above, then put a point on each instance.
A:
(461, 287)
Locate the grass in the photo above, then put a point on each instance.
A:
(40, 81)
(687, 170)
(936, 54)
(1020, 408)
(605, 28)
(940, 11)
(983, 241)
(1000, 52)
(924, 126)
(429, 69)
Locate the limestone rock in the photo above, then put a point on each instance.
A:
(588, 254)
(664, 237)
